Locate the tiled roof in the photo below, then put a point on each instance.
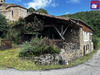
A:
(60, 18)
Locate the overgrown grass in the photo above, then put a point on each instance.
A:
(9, 59)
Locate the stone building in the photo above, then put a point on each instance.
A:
(12, 11)
(72, 36)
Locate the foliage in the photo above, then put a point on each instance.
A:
(3, 26)
(17, 30)
(98, 42)
(27, 50)
(20, 27)
(31, 10)
(95, 42)
(92, 18)
(38, 47)
(42, 11)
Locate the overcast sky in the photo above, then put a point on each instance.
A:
(55, 7)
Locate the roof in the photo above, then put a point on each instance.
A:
(15, 6)
(83, 23)
(60, 18)
(46, 15)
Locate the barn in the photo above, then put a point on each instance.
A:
(72, 36)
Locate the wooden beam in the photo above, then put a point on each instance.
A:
(62, 29)
(59, 33)
(65, 30)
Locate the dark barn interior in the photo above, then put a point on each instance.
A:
(59, 30)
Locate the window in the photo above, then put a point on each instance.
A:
(12, 13)
(0, 7)
(85, 36)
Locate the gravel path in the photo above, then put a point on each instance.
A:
(91, 67)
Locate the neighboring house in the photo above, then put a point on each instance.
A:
(12, 12)
(73, 37)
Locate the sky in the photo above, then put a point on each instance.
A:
(55, 7)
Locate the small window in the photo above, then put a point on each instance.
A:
(12, 13)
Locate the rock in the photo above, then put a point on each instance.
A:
(47, 59)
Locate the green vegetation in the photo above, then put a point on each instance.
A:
(95, 42)
(92, 18)
(38, 47)
(10, 59)
(42, 11)
(3, 26)
(20, 27)
(31, 10)
(98, 42)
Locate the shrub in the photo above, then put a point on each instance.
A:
(26, 50)
(38, 47)
(3, 26)
(43, 46)
(95, 42)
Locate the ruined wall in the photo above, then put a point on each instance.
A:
(78, 43)
(72, 35)
(71, 48)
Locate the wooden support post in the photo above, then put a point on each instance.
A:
(59, 33)
(65, 30)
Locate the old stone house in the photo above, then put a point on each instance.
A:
(12, 12)
(72, 36)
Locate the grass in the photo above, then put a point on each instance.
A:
(9, 59)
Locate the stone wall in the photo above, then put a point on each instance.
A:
(12, 13)
(17, 12)
(86, 47)
(71, 48)
(6, 14)
(75, 46)
(68, 56)
(72, 35)
(47, 59)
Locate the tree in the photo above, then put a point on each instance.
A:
(92, 18)
(3, 26)
(31, 10)
(42, 11)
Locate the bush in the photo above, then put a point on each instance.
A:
(26, 50)
(3, 26)
(38, 47)
(95, 42)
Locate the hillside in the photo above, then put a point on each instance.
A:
(92, 18)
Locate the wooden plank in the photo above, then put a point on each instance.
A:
(59, 33)
(65, 30)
